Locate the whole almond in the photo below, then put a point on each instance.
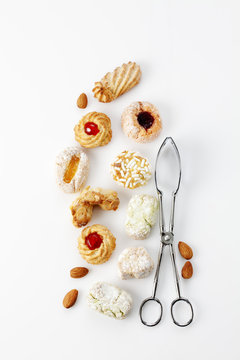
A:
(187, 270)
(70, 298)
(78, 272)
(185, 250)
(82, 101)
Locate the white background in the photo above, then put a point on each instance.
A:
(51, 51)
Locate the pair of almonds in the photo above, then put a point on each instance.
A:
(187, 253)
(71, 297)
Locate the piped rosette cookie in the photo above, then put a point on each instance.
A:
(72, 169)
(96, 244)
(93, 130)
(130, 169)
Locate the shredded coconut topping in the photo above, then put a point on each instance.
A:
(130, 169)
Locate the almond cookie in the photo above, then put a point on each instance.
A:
(96, 244)
(134, 262)
(82, 207)
(93, 130)
(141, 121)
(109, 300)
(130, 169)
(72, 169)
(116, 83)
(141, 216)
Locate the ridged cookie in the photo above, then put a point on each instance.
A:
(93, 130)
(96, 244)
(116, 83)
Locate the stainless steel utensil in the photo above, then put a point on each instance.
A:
(166, 239)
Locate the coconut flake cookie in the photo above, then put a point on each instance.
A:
(134, 262)
(109, 300)
(96, 244)
(93, 130)
(141, 216)
(141, 121)
(72, 169)
(130, 169)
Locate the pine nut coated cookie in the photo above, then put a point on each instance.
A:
(82, 207)
(93, 130)
(96, 244)
(109, 300)
(116, 83)
(72, 169)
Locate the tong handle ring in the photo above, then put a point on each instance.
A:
(188, 322)
(145, 322)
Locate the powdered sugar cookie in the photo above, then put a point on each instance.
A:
(72, 169)
(141, 216)
(141, 121)
(109, 300)
(134, 262)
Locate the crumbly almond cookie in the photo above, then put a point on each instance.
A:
(130, 169)
(134, 262)
(96, 244)
(72, 169)
(116, 83)
(109, 300)
(141, 121)
(141, 216)
(82, 207)
(93, 130)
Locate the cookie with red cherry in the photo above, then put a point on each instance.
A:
(93, 130)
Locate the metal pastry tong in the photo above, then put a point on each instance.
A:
(166, 240)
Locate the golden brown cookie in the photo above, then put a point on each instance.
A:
(96, 244)
(116, 83)
(130, 169)
(141, 121)
(82, 207)
(93, 130)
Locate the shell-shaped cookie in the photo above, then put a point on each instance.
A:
(134, 262)
(101, 253)
(72, 169)
(109, 300)
(102, 133)
(116, 83)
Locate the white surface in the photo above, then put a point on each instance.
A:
(51, 51)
